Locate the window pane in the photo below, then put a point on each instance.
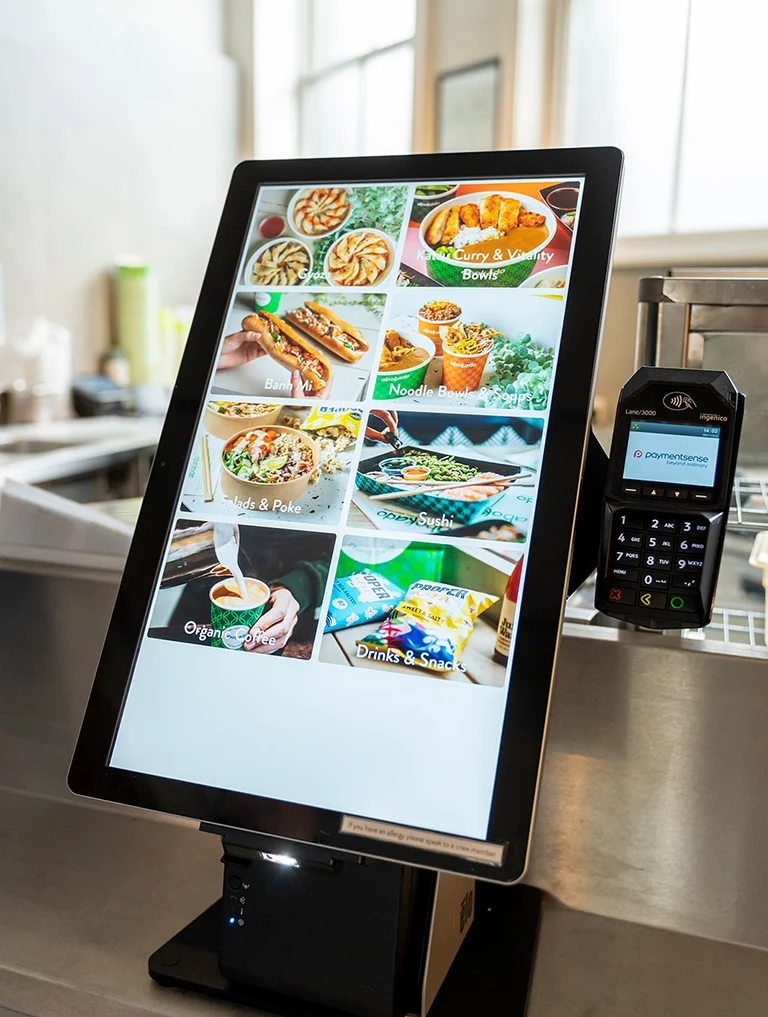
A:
(624, 87)
(344, 29)
(330, 114)
(466, 110)
(724, 155)
(340, 31)
(391, 22)
(276, 75)
(388, 102)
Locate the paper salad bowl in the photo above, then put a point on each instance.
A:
(252, 493)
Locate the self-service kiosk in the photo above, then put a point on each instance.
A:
(303, 651)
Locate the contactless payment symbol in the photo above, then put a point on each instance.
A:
(645, 599)
(678, 401)
(614, 595)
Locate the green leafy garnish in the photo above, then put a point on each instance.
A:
(523, 374)
(373, 302)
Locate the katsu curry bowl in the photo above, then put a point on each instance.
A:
(490, 238)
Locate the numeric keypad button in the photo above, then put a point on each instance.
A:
(693, 545)
(685, 581)
(652, 560)
(693, 526)
(659, 542)
(625, 558)
(629, 538)
(661, 524)
(688, 564)
(628, 520)
(655, 581)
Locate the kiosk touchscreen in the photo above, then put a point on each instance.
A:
(340, 612)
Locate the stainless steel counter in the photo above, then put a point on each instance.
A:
(652, 831)
(41, 453)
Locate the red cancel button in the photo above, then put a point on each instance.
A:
(621, 595)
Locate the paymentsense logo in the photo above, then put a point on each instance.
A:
(672, 457)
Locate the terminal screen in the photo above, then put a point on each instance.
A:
(676, 454)
(334, 621)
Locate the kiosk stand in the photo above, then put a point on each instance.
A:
(324, 933)
(303, 931)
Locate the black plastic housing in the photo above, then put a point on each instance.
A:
(668, 396)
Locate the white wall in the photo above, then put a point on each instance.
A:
(452, 34)
(118, 132)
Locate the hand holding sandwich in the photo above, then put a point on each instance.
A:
(241, 348)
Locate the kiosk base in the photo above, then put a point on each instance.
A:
(490, 975)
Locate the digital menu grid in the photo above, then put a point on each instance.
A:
(362, 485)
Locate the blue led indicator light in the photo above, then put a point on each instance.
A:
(231, 921)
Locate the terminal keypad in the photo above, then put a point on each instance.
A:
(655, 561)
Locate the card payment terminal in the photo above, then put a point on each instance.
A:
(672, 463)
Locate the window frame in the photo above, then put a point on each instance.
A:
(308, 78)
(733, 248)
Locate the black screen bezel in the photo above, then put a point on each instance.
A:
(541, 608)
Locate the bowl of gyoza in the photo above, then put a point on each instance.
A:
(264, 468)
(486, 238)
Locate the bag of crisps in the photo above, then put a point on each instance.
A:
(363, 597)
(333, 419)
(429, 627)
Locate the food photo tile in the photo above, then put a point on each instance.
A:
(266, 462)
(242, 588)
(452, 474)
(475, 349)
(489, 234)
(417, 609)
(345, 237)
(300, 344)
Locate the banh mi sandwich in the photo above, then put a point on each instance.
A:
(288, 348)
(329, 329)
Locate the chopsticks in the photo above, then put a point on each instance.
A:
(207, 482)
(435, 488)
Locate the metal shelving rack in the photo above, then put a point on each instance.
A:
(749, 504)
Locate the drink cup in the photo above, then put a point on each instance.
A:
(462, 371)
(232, 617)
(431, 329)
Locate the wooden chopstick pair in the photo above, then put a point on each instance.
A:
(446, 485)
(207, 480)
